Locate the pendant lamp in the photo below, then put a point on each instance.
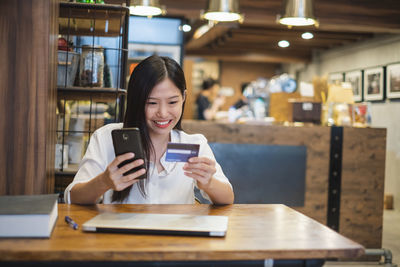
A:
(145, 8)
(298, 13)
(223, 10)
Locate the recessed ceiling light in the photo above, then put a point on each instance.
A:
(186, 28)
(283, 43)
(307, 35)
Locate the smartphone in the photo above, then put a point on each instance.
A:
(128, 140)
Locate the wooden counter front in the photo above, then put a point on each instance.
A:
(362, 174)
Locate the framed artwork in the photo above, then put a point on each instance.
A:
(355, 79)
(373, 84)
(335, 78)
(393, 81)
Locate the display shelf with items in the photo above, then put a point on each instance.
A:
(80, 19)
(91, 84)
(91, 54)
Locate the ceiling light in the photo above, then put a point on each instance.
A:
(283, 43)
(307, 35)
(186, 28)
(201, 31)
(145, 8)
(298, 13)
(223, 10)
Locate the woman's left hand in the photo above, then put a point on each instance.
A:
(201, 169)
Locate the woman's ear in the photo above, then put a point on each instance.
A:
(184, 95)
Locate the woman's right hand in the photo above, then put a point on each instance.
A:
(113, 176)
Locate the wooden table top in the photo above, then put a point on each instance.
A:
(255, 232)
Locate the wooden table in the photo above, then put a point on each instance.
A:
(255, 232)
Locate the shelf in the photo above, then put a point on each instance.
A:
(74, 47)
(92, 19)
(81, 23)
(80, 132)
(70, 171)
(94, 93)
(65, 173)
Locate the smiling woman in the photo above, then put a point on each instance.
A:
(155, 102)
(164, 107)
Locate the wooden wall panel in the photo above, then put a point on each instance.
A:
(363, 175)
(28, 35)
(363, 170)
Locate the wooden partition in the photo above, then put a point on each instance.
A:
(28, 43)
(362, 172)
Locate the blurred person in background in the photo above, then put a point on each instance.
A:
(209, 102)
(242, 100)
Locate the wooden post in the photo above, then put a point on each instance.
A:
(28, 43)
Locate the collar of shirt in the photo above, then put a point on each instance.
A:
(168, 166)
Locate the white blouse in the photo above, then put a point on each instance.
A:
(170, 186)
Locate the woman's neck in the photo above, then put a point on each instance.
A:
(206, 93)
(160, 145)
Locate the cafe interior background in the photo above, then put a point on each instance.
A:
(65, 68)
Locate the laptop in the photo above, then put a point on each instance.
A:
(165, 224)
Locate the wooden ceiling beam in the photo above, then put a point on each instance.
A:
(353, 15)
(252, 57)
(295, 52)
(347, 24)
(315, 42)
(210, 36)
(260, 49)
(285, 31)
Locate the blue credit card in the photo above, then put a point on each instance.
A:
(177, 152)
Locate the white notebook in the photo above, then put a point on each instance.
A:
(148, 223)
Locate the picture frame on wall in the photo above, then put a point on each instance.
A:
(335, 78)
(355, 79)
(373, 84)
(393, 80)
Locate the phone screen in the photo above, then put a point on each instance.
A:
(128, 140)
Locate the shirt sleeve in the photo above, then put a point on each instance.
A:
(92, 164)
(205, 151)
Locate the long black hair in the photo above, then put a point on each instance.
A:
(147, 74)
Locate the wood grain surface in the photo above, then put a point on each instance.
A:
(363, 170)
(255, 232)
(28, 43)
(363, 177)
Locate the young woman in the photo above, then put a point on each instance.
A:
(155, 101)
